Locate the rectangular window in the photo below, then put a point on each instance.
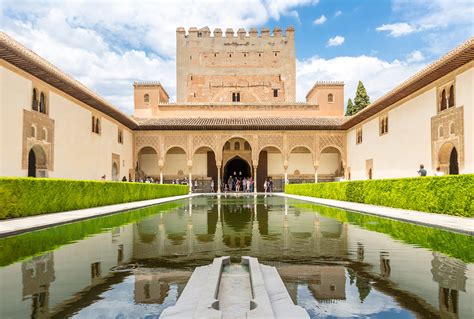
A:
(383, 125)
(120, 136)
(95, 270)
(359, 135)
(275, 92)
(235, 96)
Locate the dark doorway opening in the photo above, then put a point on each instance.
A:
(236, 167)
(453, 162)
(31, 164)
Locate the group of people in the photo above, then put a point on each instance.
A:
(423, 172)
(236, 184)
(268, 185)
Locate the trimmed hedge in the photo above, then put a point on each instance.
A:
(452, 195)
(20, 197)
(26, 245)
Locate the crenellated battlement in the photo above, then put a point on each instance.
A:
(195, 33)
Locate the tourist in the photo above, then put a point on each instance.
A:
(265, 185)
(226, 188)
(237, 185)
(244, 185)
(438, 172)
(212, 186)
(422, 171)
(195, 185)
(103, 177)
(270, 185)
(248, 184)
(251, 184)
(124, 179)
(229, 183)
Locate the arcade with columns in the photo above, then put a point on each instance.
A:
(296, 157)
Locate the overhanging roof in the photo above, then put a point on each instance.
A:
(456, 58)
(25, 59)
(262, 123)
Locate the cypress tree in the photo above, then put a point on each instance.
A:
(350, 107)
(361, 99)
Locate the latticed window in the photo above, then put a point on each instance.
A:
(146, 98)
(383, 125)
(451, 96)
(443, 103)
(42, 103)
(237, 146)
(359, 135)
(34, 101)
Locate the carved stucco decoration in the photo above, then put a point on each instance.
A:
(176, 141)
(210, 141)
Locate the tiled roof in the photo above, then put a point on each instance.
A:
(262, 123)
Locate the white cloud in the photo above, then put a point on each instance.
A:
(415, 56)
(379, 76)
(336, 41)
(397, 29)
(337, 13)
(320, 20)
(107, 46)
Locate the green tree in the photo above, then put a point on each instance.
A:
(350, 107)
(361, 99)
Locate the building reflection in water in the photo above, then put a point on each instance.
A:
(245, 227)
(450, 274)
(37, 275)
(152, 286)
(268, 228)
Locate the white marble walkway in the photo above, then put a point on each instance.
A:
(464, 225)
(19, 225)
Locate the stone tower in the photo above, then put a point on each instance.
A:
(246, 67)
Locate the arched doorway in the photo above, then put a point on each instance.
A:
(31, 164)
(37, 162)
(453, 162)
(236, 168)
(448, 159)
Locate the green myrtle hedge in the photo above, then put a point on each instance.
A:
(20, 197)
(452, 195)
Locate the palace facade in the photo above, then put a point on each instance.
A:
(236, 115)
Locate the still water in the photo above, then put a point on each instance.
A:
(334, 263)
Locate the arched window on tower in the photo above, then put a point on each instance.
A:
(34, 101)
(443, 101)
(42, 103)
(33, 131)
(330, 98)
(451, 96)
(146, 98)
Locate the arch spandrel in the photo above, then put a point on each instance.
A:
(142, 141)
(209, 141)
(171, 141)
(271, 141)
(336, 141)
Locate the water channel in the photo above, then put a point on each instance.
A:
(334, 263)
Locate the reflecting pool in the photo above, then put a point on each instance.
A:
(334, 263)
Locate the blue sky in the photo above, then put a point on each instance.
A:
(109, 44)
